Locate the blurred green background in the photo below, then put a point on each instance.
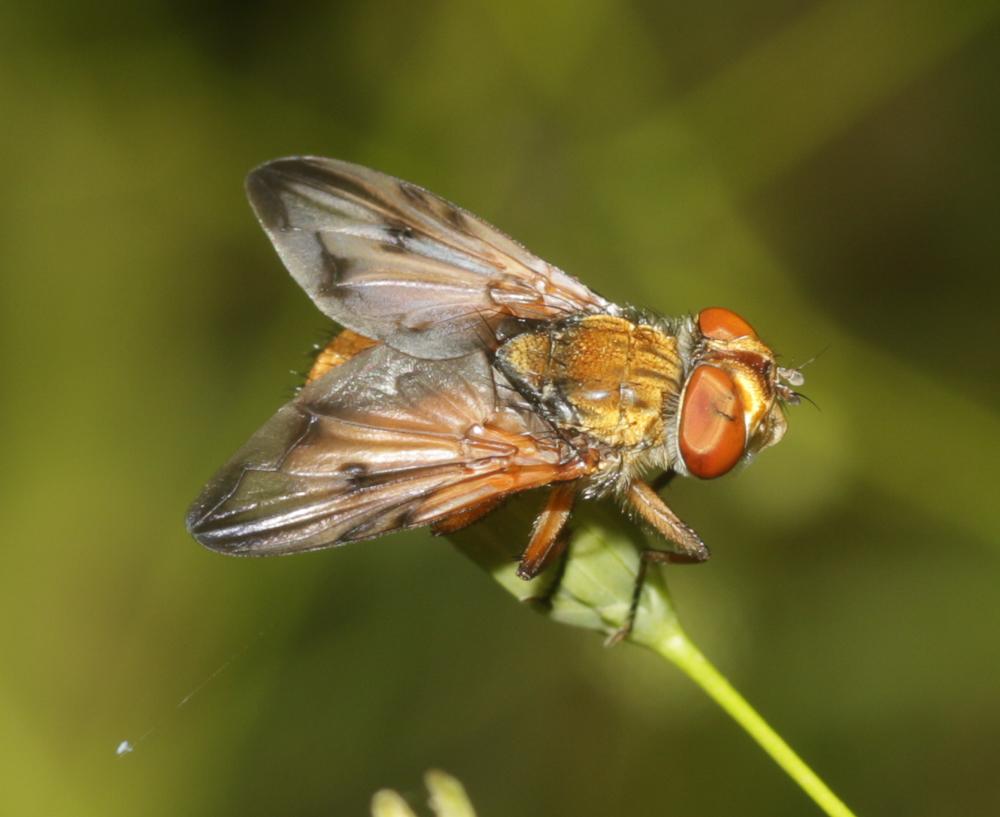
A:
(828, 169)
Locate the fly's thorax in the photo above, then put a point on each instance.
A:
(601, 376)
(730, 407)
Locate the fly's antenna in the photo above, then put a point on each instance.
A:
(814, 358)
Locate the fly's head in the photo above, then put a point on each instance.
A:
(732, 403)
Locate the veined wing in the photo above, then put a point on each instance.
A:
(383, 442)
(397, 263)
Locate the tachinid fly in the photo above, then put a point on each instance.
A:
(470, 370)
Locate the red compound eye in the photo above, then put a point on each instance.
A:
(712, 435)
(719, 323)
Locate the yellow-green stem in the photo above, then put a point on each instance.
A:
(680, 650)
(594, 589)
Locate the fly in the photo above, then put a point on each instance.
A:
(470, 370)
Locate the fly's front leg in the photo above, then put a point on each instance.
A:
(686, 546)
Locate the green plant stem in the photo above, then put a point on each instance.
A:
(681, 651)
(593, 591)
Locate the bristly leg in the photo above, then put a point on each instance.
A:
(647, 503)
(544, 600)
(546, 543)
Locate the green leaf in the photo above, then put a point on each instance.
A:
(594, 587)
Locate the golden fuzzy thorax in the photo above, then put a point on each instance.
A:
(602, 376)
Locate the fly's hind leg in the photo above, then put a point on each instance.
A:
(686, 546)
(546, 543)
(543, 601)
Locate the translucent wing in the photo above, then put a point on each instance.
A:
(395, 262)
(383, 442)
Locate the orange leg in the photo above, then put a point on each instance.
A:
(688, 546)
(546, 543)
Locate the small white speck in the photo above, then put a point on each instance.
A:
(124, 748)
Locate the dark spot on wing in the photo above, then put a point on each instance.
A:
(355, 474)
(453, 215)
(398, 234)
(335, 267)
(318, 172)
(457, 219)
(414, 194)
(405, 516)
(320, 176)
